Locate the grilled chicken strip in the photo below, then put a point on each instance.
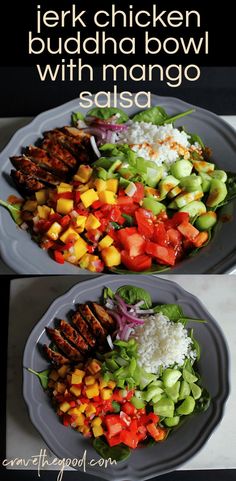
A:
(94, 324)
(74, 336)
(43, 159)
(71, 352)
(26, 183)
(103, 316)
(55, 149)
(26, 166)
(82, 326)
(77, 146)
(55, 357)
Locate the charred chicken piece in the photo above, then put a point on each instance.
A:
(71, 352)
(26, 166)
(44, 160)
(55, 149)
(94, 324)
(55, 357)
(26, 183)
(103, 316)
(74, 337)
(83, 328)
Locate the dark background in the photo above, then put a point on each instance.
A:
(22, 93)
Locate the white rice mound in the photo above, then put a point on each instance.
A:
(162, 343)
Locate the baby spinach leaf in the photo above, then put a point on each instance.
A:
(171, 120)
(133, 294)
(107, 293)
(42, 375)
(14, 209)
(154, 115)
(106, 113)
(231, 189)
(118, 453)
(195, 138)
(75, 116)
(173, 311)
(202, 404)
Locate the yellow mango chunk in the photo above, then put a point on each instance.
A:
(63, 187)
(80, 248)
(100, 185)
(77, 376)
(43, 211)
(111, 256)
(105, 242)
(74, 411)
(111, 384)
(92, 391)
(102, 383)
(69, 234)
(64, 206)
(76, 391)
(97, 431)
(64, 407)
(90, 409)
(89, 380)
(107, 197)
(92, 222)
(41, 196)
(80, 419)
(82, 407)
(30, 205)
(112, 184)
(54, 231)
(106, 393)
(80, 221)
(83, 173)
(89, 197)
(94, 366)
(96, 421)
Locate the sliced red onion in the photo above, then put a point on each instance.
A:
(94, 146)
(96, 131)
(126, 333)
(122, 307)
(117, 318)
(126, 419)
(109, 340)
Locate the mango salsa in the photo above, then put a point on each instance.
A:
(111, 256)
(64, 206)
(89, 197)
(107, 197)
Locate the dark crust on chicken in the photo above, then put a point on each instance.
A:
(83, 328)
(79, 145)
(94, 324)
(103, 316)
(55, 149)
(26, 166)
(74, 336)
(71, 352)
(55, 357)
(26, 183)
(44, 160)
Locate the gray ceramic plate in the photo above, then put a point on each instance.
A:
(25, 257)
(184, 442)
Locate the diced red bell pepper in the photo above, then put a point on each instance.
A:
(58, 256)
(175, 238)
(113, 424)
(65, 220)
(129, 438)
(54, 217)
(97, 204)
(145, 223)
(160, 235)
(139, 194)
(77, 196)
(188, 230)
(117, 396)
(163, 254)
(158, 434)
(114, 440)
(136, 264)
(48, 244)
(152, 417)
(133, 425)
(66, 420)
(64, 195)
(201, 238)
(124, 200)
(129, 408)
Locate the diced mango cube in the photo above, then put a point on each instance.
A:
(80, 221)
(92, 391)
(96, 421)
(83, 407)
(43, 211)
(100, 185)
(30, 205)
(80, 419)
(111, 384)
(84, 430)
(94, 366)
(84, 173)
(54, 375)
(74, 411)
(63, 187)
(89, 380)
(105, 242)
(69, 233)
(76, 391)
(89, 197)
(54, 231)
(41, 196)
(64, 206)
(77, 376)
(112, 184)
(92, 222)
(62, 371)
(102, 383)
(111, 256)
(60, 387)
(64, 407)
(106, 393)
(97, 431)
(90, 409)
(88, 261)
(107, 197)
(80, 248)
(83, 187)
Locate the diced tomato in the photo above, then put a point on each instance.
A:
(117, 396)
(139, 194)
(58, 256)
(136, 264)
(43, 225)
(133, 425)
(64, 195)
(188, 230)
(200, 239)
(129, 408)
(72, 404)
(141, 433)
(124, 200)
(97, 399)
(65, 220)
(113, 424)
(129, 394)
(134, 244)
(129, 439)
(114, 440)
(175, 237)
(91, 248)
(152, 417)
(162, 216)
(158, 434)
(177, 219)
(125, 419)
(160, 235)
(122, 234)
(163, 254)
(129, 209)
(97, 204)
(145, 223)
